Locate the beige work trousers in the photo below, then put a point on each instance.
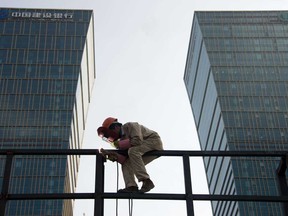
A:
(135, 164)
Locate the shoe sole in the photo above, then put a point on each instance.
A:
(146, 190)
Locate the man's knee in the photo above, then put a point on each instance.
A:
(134, 151)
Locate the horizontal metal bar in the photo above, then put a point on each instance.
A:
(207, 197)
(197, 197)
(144, 196)
(50, 151)
(157, 153)
(48, 196)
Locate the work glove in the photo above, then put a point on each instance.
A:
(116, 144)
(122, 144)
(112, 156)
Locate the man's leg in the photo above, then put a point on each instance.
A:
(135, 164)
(128, 174)
(138, 162)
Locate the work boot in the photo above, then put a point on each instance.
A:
(147, 186)
(130, 189)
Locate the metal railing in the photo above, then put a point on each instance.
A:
(99, 195)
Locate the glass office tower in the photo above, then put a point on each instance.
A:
(236, 78)
(47, 73)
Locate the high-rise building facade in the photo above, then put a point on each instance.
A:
(47, 73)
(236, 78)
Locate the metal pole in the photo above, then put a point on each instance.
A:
(99, 186)
(6, 181)
(188, 185)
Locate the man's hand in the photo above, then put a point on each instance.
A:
(112, 156)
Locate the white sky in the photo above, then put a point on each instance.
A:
(141, 49)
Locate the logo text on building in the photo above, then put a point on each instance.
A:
(42, 15)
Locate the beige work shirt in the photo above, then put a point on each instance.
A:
(137, 133)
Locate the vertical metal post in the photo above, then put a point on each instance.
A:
(99, 186)
(6, 182)
(282, 180)
(188, 186)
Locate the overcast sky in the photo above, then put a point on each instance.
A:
(141, 49)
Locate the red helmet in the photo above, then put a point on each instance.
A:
(104, 131)
(108, 121)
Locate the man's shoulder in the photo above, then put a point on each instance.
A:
(127, 124)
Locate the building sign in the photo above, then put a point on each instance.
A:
(36, 15)
(42, 15)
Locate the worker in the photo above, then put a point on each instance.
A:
(137, 140)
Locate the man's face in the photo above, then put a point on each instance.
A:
(116, 132)
(110, 134)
